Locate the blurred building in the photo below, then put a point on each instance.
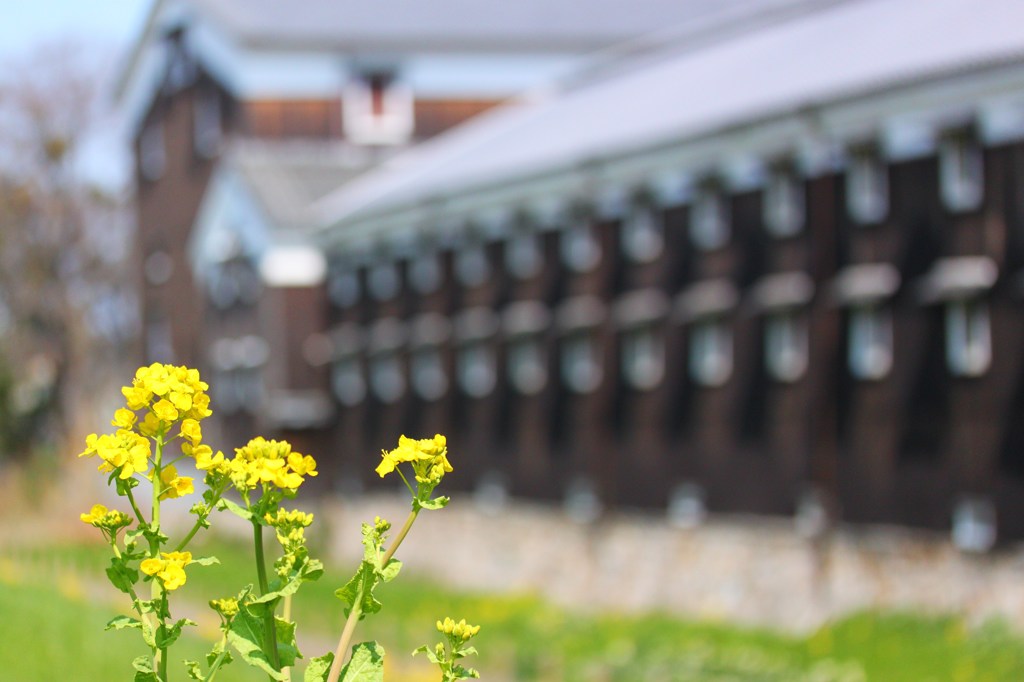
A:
(765, 259)
(246, 112)
(769, 265)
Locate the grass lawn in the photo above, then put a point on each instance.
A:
(522, 637)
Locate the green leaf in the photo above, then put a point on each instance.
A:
(318, 668)
(144, 669)
(436, 503)
(234, 508)
(121, 575)
(206, 561)
(287, 650)
(215, 653)
(366, 664)
(460, 673)
(194, 671)
(246, 636)
(431, 656)
(389, 572)
(467, 651)
(364, 580)
(122, 622)
(167, 636)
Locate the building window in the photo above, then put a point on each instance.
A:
(386, 377)
(784, 203)
(961, 169)
(581, 365)
(642, 235)
(527, 371)
(786, 345)
(384, 281)
(968, 338)
(377, 108)
(581, 251)
(158, 268)
(343, 288)
(709, 219)
(223, 287)
(643, 357)
(710, 357)
(152, 152)
(870, 342)
(206, 123)
(429, 379)
(523, 256)
(425, 273)
(867, 187)
(476, 368)
(471, 265)
(347, 380)
(249, 388)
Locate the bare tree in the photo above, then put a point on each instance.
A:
(64, 243)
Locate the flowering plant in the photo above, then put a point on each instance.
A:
(164, 409)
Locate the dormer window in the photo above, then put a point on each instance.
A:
(784, 203)
(523, 255)
(643, 357)
(384, 281)
(710, 359)
(206, 123)
(377, 108)
(968, 337)
(581, 363)
(867, 186)
(709, 219)
(786, 345)
(961, 170)
(581, 251)
(152, 152)
(429, 379)
(343, 288)
(347, 380)
(870, 342)
(642, 235)
(425, 273)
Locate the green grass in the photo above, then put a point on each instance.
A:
(528, 639)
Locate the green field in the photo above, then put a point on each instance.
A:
(44, 629)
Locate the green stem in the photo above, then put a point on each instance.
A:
(157, 589)
(131, 590)
(217, 663)
(135, 507)
(270, 634)
(199, 524)
(353, 616)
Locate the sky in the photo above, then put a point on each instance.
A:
(106, 26)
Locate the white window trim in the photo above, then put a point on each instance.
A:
(784, 210)
(870, 342)
(643, 357)
(710, 358)
(581, 363)
(709, 224)
(786, 345)
(867, 187)
(394, 125)
(476, 367)
(968, 337)
(642, 234)
(962, 173)
(579, 247)
(527, 369)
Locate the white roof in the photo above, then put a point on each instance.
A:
(788, 63)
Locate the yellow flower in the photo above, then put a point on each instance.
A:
(190, 429)
(428, 456)
(124, 419)
(302, 465)
(173, 485)
(125, 449)
(165, 411)
(107, 519)
(170, 570)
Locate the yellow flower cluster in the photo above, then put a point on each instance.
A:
(173, 485)
(124, 449)
(261, 461)
(428, 456)
(461, 630)
(227, 607)
(170, 393)
(290, 526)
(170, 570)
(107, 519)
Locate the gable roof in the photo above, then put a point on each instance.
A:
(691, 91)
